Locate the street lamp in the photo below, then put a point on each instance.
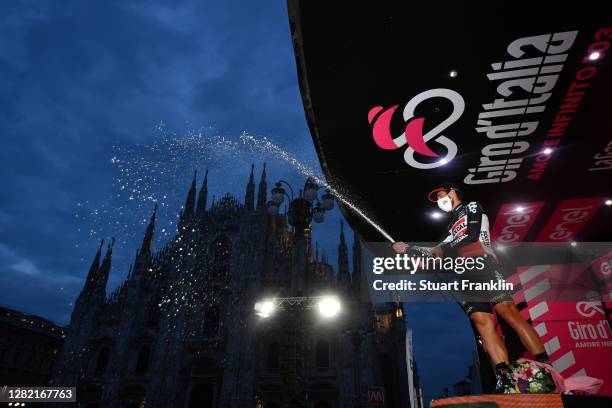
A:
(310, 189)
(318, 213)
(328, 306)
(265, 308)
(302, 209)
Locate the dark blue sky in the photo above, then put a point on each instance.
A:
(97, 97)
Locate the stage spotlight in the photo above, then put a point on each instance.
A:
(265, 308)
(548, 150)
(519, 209)
(608, 202)
(329, 306)
(443, 161)
(453, 74)
(573, 243)
(435, 215)
(594, 56)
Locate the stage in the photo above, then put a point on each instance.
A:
(524, 401)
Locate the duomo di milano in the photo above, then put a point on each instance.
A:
(181, 331)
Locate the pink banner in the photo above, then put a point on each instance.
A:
(568, 219)
(606, 295)
(576, 335)
(580, 347)
(602, 267)
(554, 283)
(514, 221)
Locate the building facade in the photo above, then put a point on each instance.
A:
(181, 331)
(29, 348)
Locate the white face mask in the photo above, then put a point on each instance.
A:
(445, 203)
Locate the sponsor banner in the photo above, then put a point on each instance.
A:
(579, 347)
(602, 270)
(576, 335)
(602, 267)
(603, 160)
(569, 218)
(544, 311)
(606, 293)
(545, 287)
(514, 221)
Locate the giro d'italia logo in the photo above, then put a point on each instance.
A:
(418, 147)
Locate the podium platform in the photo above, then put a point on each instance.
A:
(524, 401)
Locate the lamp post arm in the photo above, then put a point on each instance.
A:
(290, 188)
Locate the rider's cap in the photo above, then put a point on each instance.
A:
(445, 186)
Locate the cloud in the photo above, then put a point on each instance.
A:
(26, 267)
(10, 259)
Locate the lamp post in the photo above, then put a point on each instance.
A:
(295, 384)
(302, 208)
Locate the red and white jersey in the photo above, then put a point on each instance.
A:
(468, 231)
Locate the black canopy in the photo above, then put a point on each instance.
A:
(401, 96)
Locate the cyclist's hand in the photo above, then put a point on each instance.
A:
(400, 247)
(437, 252)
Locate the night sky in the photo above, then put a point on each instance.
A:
(109, 106)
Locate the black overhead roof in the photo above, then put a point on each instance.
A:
(400, 96)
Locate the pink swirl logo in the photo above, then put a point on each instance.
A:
(380, 119)
(588, 309)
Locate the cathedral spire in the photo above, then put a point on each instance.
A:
(343, 268)
(249, 199)
(262, 192)
(147, 242)
(105, 269)
(90, 295)
(189, 202)
(93, 270)
(202, 197)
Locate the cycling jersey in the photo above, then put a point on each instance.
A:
(468, 232)
(468, 236)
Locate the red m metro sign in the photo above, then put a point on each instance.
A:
(376, 396)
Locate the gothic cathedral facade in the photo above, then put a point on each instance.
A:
(181, 331)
